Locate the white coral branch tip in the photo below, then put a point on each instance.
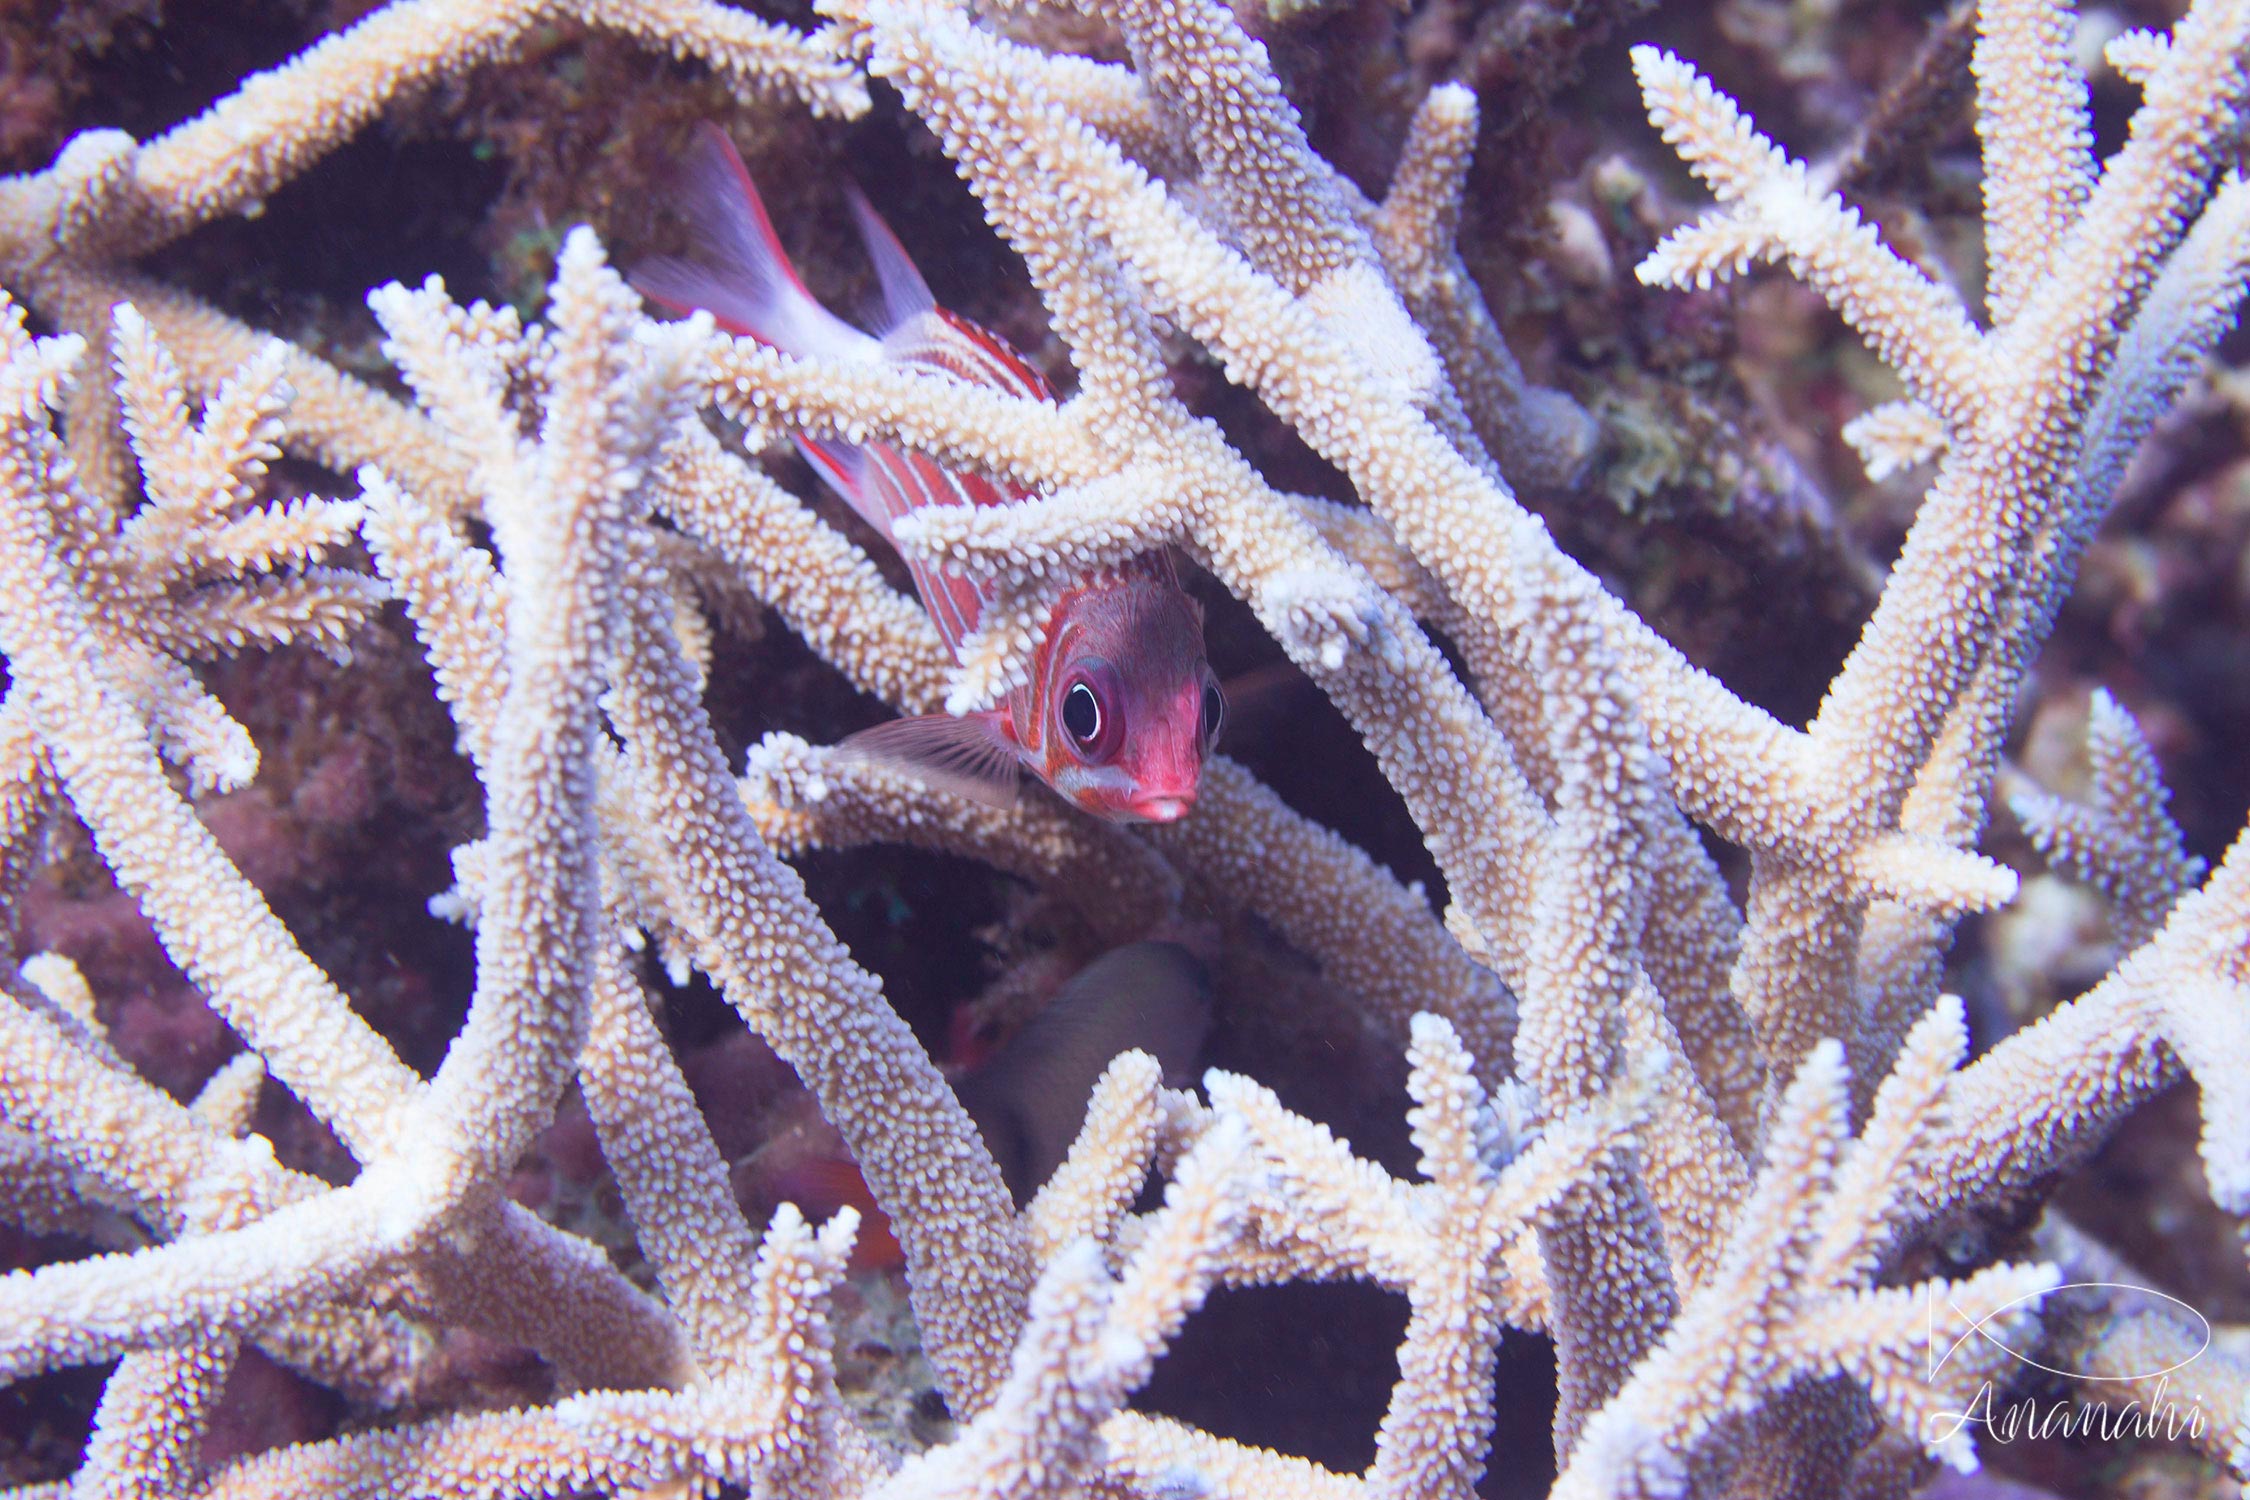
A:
(1895, 437)
(2138, 55)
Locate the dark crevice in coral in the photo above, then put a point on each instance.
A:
(1303, 1369)
(910, 917)
(379, 210)
(45, 1419)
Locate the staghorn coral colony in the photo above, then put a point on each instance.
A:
(1687, 977)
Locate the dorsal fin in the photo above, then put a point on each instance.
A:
(950, 344)
(905, 293)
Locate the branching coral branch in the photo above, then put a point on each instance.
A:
(136, 197)
(1706, 1147)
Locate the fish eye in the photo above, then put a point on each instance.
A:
(1090, 716)
(1082, 714)
(1214, 712)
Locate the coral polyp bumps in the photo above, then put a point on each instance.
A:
(1711, 1127)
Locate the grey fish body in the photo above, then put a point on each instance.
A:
(1030, 1098)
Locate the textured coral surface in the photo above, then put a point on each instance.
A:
(1720, 502)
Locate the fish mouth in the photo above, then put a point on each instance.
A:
(1160, 809)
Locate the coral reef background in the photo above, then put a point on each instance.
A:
(1722, 505)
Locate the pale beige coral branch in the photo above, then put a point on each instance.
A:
(1701, 1145)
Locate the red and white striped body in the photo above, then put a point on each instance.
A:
(1122, 708)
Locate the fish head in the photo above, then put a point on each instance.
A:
(1132, 706)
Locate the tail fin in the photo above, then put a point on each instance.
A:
(735, 267)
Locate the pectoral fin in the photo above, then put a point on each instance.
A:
(969, 755)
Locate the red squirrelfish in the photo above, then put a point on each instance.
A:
(1122, 707)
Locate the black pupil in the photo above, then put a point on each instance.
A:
(1081, 715)
(1214, 710)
